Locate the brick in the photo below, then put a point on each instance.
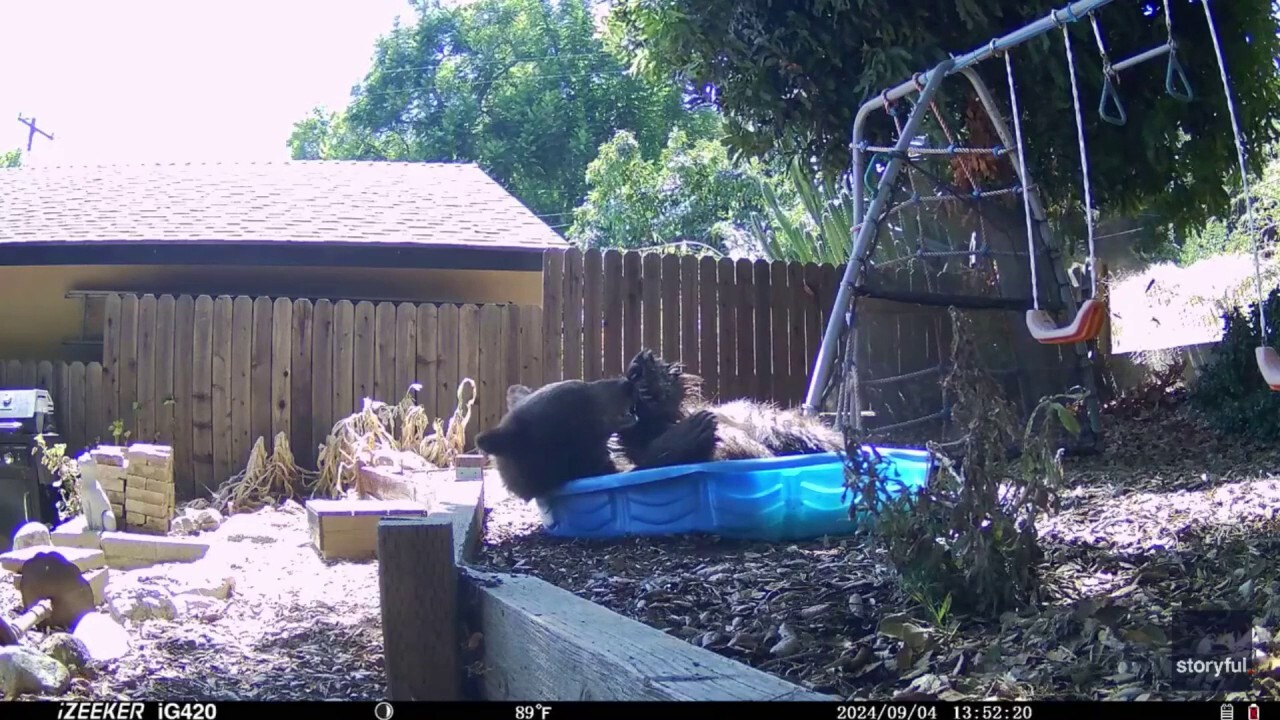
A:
(142, 508)
(112, 455)
(152, 455)
(146, 472)
(164, 486)
(160, 525)
(111, 484)
(150, 497)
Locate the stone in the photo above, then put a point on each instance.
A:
(66, 649)
(140, 604)
(103, 637)
(207, 579)
(208, 519)
(184, 525)
(23, 670)
(30, 535)
(199, 607)
(94, 504)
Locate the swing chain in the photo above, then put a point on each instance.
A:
(1174, 69)
(1110, 80)
(1084, 161)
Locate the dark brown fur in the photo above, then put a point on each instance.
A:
(667, 399)
(558, 433)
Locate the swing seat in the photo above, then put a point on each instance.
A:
(1269, 365)
(1085, 326)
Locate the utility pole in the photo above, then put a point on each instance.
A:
(32, 130)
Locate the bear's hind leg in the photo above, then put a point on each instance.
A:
(692, 440)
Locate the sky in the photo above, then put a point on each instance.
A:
(129, 81)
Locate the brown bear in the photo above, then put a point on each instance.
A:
(561, 432)
(667, 398)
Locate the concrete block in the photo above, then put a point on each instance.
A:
(75, 533)
(123, 547)
(84, 558)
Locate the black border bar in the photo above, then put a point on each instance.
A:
(557, 710)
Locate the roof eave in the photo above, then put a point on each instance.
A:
(318, 253)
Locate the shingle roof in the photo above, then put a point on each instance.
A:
(434, 204)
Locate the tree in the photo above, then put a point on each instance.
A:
(690, 193)
(525, 88)
(790, 76)
(11, 159)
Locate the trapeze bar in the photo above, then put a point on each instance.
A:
(1140, 58)
(996, 151)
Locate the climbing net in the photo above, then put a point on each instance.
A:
(951, 234)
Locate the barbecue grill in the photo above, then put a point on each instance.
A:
(27, 491)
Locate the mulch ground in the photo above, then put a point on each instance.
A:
(1172, 517)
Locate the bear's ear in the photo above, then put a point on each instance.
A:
(517, 394)
(494, 441)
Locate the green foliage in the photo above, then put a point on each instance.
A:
(790, 76)
(65, 472)
(11, 159)
(1230, 392)
(969, 536)
(118, 433)
(689, 193)
(809, 219)
(1229, 232)
(526, 89)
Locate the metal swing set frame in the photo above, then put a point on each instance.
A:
(1086, 319)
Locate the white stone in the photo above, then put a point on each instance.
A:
(23, 670)
(31, 535)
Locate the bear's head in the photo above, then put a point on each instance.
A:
(565, 413)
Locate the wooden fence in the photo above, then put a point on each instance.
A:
(210, 375)
(749, 328)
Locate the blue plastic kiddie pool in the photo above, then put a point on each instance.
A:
(784, 498)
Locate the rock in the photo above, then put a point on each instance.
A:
(208, 519)
(103, 637)
(23, 670)
(210, 579)
(184, 525)
(140, 604)
(199, 607)
(217, 585)
(66, 649)
(31, 535)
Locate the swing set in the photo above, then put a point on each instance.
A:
(1087, 319)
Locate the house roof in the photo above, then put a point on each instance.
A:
(436, 205)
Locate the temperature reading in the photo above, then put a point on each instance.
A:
(533, 712)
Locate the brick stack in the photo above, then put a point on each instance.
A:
(149, 489)
(106, 464)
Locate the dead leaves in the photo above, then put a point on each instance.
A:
(1168, 518)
